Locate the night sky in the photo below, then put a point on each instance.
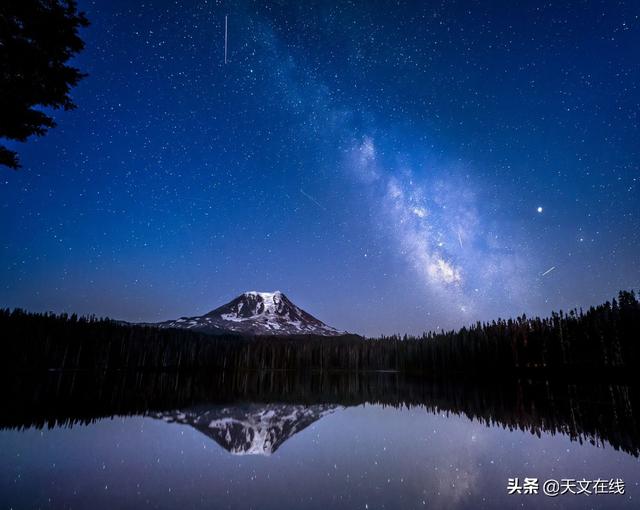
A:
(391, 167)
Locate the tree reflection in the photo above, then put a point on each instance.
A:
(595, 412)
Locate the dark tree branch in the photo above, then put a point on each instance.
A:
(37, 38)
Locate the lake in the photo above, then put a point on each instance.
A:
(87, 441)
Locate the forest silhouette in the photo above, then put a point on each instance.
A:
(604, 339)
(585, 411)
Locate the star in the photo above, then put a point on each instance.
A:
(539, 209)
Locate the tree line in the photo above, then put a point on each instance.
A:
(587, 412)
(603, 338)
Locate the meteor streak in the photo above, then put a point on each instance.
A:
(548, 271)
(312, 199)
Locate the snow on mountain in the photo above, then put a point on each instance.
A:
(249, 429)
(256, 313)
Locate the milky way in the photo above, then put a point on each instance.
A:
(391, 169)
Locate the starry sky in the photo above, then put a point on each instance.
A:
(389, 166)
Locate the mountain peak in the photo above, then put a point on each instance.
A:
(249, 429)
(257, 313)
(264, 295)
(269, 298)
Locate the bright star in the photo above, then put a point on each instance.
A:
(539, 209)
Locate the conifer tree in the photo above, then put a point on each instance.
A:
(37, 38)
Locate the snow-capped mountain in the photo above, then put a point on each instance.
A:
(249, 429)
(256, 313)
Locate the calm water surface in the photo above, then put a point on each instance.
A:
(290, 456)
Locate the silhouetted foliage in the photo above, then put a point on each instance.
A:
(583, 410)
(605, 338)
(37, 38)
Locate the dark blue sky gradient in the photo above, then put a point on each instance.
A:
(382, 164)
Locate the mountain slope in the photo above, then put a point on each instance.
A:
(256, 313)
(249, 429)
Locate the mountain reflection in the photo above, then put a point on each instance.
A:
(249, 429)
(255, 412)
